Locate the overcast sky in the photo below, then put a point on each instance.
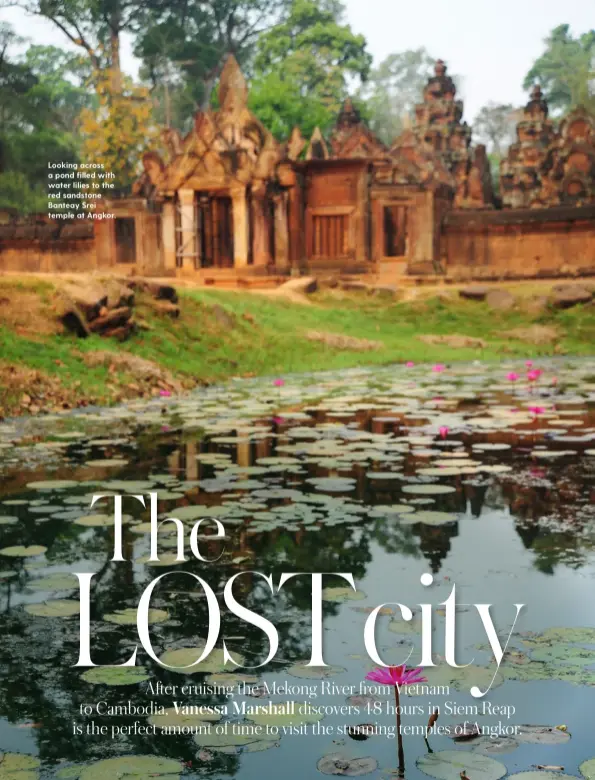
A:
(490, 43)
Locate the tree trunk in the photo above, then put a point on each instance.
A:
(116, 70)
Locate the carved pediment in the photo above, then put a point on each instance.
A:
(352, 138)
(225, 146)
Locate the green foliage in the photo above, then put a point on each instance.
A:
(303, 66)
(393, 89)
(495, 126)
(39, 106)
(279, 105)
(183, 47)
(566, 69)
(17, 192)
(272, 339)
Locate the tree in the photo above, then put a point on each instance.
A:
(495, 125)
(119, 129)
(393, 89)
(184, 44)
(95, 26)
(38, 109)
(304, 65)
(566, 70)
(280, 106)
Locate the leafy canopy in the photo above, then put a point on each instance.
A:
(304, 66)
(566, 70)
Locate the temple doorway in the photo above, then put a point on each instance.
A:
(395, 231)
(125, 233)
(214, 227)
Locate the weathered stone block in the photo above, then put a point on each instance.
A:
(500, 299)
(476, 292)
(566, 296)
(301, 284)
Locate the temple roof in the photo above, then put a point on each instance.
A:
(352, 138)
(226, 147)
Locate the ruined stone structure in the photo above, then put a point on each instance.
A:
(549, 167)
(229, 202)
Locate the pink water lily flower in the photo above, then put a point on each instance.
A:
(512, 377)
(537, 410)
(444, 429)
(164, 393)
(534, 375)
(279, 382)
(410, 364)
(396, 675)
(529, 363)
(439, 368)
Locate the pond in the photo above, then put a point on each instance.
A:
(479, 475)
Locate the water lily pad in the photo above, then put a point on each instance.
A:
(428, 517)
(187, 656)
(58, 608)
(587, 769)
(572, 655)
(314, 672)
(428, 489)
(96, 521)
(17, 766)
(230, 679)
(235, 743)
(333, 484)
(8, 520)
(494, 745)
(342, 594)
(180, 719)
(128, 617)
(582, 636)
(23, 552)
(58, 581)
(133, 768)
(448, 765)
(287, 713)
(52, 484)
(346, 766)
(107, 462)
(115, 675)
(542, 735)
(394, 509)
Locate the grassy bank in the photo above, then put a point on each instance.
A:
(223, 334)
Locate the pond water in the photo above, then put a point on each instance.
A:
(461, 472)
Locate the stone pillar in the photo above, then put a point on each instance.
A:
(168, 236)
(262, 235)
(188, 232)
(240, 227)
(281, 232)
(296, 228)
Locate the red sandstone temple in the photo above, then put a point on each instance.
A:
(230, 202)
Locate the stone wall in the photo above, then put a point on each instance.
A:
(522, 243)
(47, 247)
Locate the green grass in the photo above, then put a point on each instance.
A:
(223, 334)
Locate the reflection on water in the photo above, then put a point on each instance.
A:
(385, 474)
